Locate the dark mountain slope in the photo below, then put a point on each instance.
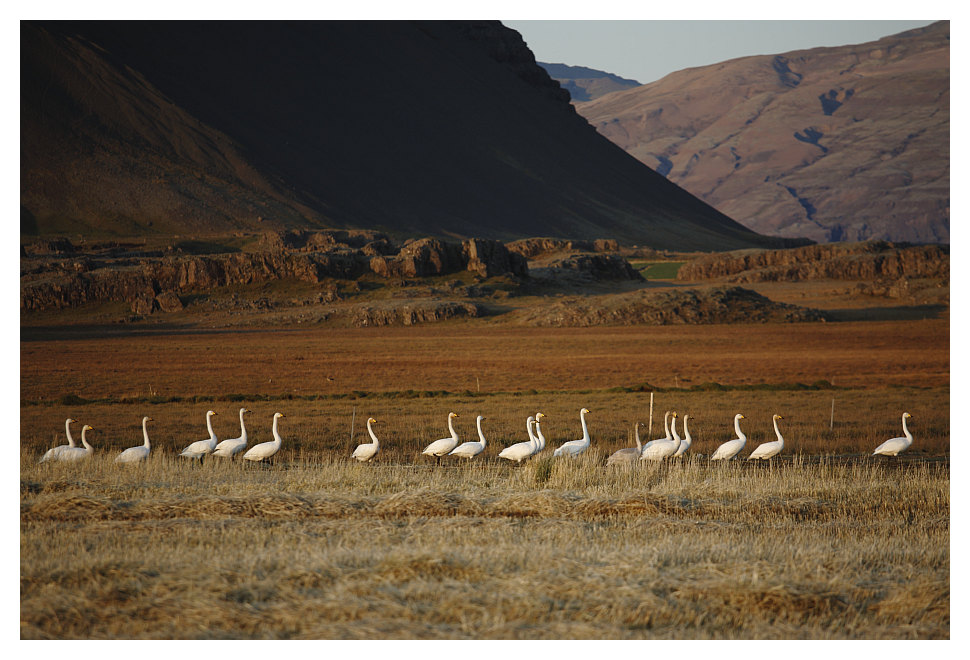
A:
(448, 129)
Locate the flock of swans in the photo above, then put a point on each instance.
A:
(670, 446)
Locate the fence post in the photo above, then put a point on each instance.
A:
(650, 425)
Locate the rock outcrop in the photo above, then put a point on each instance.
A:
(868, 261)
(678, 307)
(412, 312)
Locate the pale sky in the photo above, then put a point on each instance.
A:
(648, 50)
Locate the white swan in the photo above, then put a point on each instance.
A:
(367, 451)
(731, 448)
(540, 438)
(200, 448)
(471, 449)
(232, 446)
(77, 453)
(53, 452)
(265, 450)
(629, 454)
(522, 450)
(574, 448)
(893, 446)
(768, 449)
(439, 448)
(685, 441)
(139, 453)
(666, 438)
(657, 450)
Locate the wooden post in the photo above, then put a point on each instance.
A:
(650, 425)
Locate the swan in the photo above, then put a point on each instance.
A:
(471, 449)
(266, 449)
(200, 448)
(768, 449)
(893, 446)
(540, 439)
(522, 450)
(439, 448)
(685, 441)
(367, 451)
(54, 452)
(574, 448)
(77, 453)
(232, 446)
(630, 454)
(731, 448)
(658, 450)
(666, 438)
(139, 453)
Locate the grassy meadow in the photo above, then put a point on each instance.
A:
(823, 542)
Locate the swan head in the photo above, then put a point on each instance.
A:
(70, 420)
(481, 417)
(674, 415)
(687, 416)
(584, 410)
(87, 427)
(777, 417)
(244, 410)
(539, 416)
(452, 414)
(210, 413)
(146, 419)
(279, 414)
(371, 420)
(907, 415)
(739, 416)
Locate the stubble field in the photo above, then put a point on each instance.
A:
(824, 542)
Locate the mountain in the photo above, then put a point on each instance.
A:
(585, 84)
(836, 144)
(446, 129)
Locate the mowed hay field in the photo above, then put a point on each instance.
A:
(823, 542)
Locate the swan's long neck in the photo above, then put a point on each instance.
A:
(906, 432)
(451, 427)
(636, 434)
(84, 441)
(276, 433)
(533, 440)
(70, 438)
(673, 430)
(582, 419)
(208, 423)
(686, 432)
(778, 433)
(540, 439)
(372, 436)
(144, 432)
(667, 424)
(737, 429)
(242, 425)
(481, 436)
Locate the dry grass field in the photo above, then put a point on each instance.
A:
(823, 543)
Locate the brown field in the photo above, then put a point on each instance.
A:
(823, 543)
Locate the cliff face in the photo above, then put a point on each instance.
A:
(836, 144)
(444, 129)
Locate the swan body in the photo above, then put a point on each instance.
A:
(265, 450)
(439, 448)
(77, 453)
(893, 446)
(139, 453)
(731, 448)
(54, 452)
(471, 449)
(367, 451)
(666, 438)
(574, 448)
(232, 446)
(685, 441)
(522, 450)
(658, 450)
(200, 448)
(629, 454)
(768, 449)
